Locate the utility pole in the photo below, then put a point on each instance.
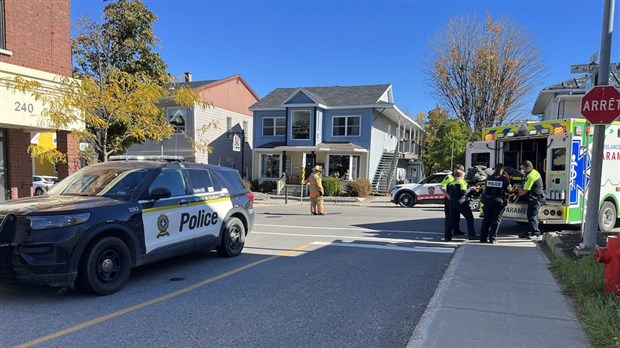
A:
(590, 228)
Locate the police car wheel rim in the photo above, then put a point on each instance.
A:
(234, 235)
(108, 265)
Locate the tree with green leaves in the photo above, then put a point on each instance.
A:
(482, 72)
(123, 41)
(445, 141)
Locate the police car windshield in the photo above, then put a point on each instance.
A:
(112, 182)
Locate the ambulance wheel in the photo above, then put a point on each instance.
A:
(406, 199)
(105, 266)
(39, 192)
(607, 217)
(233, 238)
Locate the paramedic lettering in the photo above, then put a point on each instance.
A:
(601, 105)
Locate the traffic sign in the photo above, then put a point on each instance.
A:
(601, 105)
(236, 142)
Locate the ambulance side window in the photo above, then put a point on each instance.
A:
(202, 181)
(171, 179)
(558, 159)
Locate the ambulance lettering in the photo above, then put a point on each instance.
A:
(197, 221)
(516, 210)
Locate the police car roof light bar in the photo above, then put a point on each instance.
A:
(147, 158)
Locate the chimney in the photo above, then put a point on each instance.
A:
(188, 76)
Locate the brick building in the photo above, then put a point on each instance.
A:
(35, 43)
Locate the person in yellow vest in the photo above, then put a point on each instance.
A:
(533, 192)
(316, 192)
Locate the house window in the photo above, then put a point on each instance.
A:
(245, 126)
(177, 117)
(346, 126)
(269, 166)
(344, 167)
(2, 30)
(228, 123)
(274, 126)
(300, 125)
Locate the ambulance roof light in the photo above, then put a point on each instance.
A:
(544, 131)
(488, 137)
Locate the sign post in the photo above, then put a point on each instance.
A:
(590, 227)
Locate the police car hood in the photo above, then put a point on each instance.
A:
(53, 204)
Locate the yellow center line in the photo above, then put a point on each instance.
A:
(153, 301)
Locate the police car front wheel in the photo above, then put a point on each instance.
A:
(406, 199)
(233, 238)
(105, 266)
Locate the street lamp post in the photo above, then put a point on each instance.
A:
(242, 134)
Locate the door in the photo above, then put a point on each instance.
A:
(210, 203)
(556, 166)
(163, 219)
(480, 153)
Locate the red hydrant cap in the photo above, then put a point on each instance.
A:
(602, 255)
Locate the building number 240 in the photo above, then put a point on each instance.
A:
(24, 107)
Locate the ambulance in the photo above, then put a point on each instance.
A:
(561, 151)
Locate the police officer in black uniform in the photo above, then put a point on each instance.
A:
(456, 192)
(495, 200)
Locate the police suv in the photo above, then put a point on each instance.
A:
(94, 226)
(427, 191)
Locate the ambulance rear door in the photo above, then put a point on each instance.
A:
(480, 153)
(557, 167)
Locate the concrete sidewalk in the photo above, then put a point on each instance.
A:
(499, 295)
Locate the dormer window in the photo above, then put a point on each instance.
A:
(300, 125)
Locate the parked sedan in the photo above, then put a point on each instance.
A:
(42, 183)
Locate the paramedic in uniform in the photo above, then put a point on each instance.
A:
(495, 200)
(534, 194)
(316, 192)
(446, 202)
(458, 204)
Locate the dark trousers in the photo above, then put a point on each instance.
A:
(455, 210)
(493, 211)
(532, 216)
(446, 209)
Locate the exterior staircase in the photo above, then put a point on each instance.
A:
(382, 181)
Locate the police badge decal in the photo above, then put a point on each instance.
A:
(162, 226)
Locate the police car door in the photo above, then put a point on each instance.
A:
(210, 204)
(480, 153)
(162, 219)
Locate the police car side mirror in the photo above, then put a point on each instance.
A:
(159, 193)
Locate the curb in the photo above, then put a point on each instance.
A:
(552, 241)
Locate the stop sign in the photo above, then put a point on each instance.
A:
(601, 105)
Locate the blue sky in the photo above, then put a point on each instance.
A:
(324, 43)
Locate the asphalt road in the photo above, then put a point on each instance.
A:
(359, 276)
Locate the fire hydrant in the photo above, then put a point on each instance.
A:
(610, 256)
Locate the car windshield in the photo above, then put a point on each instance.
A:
(434, 179)
(112, 182)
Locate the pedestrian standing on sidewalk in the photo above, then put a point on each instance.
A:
(446, 202)
(316, 192)
(534, 194)
(456, 192)
(495, 199)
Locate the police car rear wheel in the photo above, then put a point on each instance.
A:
(406, 199)
(105, 267)
(233, 238)
(607, 217)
